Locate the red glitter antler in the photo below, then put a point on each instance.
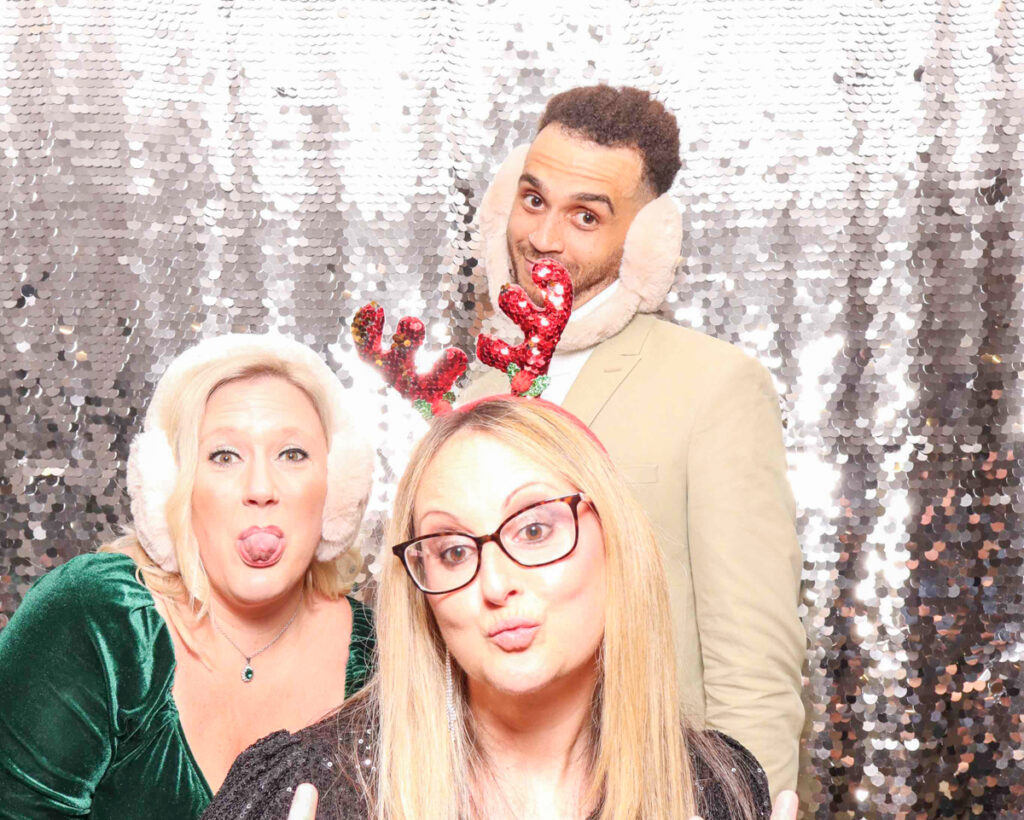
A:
(527, 363)
(430, 392)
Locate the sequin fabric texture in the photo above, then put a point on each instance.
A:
(851, 185)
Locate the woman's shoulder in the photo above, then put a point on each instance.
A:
(330, 754)
(94, 585)
(92, 574)
(718, 761)
(92, 613)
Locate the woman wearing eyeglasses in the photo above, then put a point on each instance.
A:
(525, 662)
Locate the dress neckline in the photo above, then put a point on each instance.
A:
(353, 675)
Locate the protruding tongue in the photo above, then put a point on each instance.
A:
(261, 548)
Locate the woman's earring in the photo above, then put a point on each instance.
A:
(449, 694)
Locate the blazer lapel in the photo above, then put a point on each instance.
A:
(604, 371)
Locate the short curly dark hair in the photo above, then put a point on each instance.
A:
(621, 117)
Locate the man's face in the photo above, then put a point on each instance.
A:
(575, 202)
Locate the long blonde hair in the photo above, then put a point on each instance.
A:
(640, 766)
(181, 418)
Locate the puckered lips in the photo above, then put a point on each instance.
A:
(261, 547)
(514, 634)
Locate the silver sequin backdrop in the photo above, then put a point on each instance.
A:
(851, 184)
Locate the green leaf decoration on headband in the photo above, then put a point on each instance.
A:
(539, 385)
(424, 408)
(520, 381)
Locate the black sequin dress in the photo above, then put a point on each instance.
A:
(333, 753)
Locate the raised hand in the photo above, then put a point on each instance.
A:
(527, 363)
(430, 392)
(304, 803)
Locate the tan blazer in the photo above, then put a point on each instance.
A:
(694, 425)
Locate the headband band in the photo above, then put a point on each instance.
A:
(550, 405)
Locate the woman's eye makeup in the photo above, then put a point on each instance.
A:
(229, 455)
(224, 455)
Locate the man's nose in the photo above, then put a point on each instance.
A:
(547, 236)
(260, 489)
(499, 575)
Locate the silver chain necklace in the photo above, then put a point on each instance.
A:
(247, 672)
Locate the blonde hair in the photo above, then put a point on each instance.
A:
(639, 761)
(180, 418)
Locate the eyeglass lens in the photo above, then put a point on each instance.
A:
(537, 535)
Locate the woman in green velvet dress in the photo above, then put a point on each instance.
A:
(131, 678)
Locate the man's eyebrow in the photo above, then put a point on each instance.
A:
(596, 198)
(532, 181)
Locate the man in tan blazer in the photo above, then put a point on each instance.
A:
(692, 421)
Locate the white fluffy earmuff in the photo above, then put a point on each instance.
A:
(650, 256)
(153, 468)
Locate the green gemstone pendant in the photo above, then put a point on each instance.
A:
(247, 673)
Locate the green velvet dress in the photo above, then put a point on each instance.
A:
(88, 727)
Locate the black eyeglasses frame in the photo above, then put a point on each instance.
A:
(572, 500)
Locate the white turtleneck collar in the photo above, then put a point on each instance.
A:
(565, 367)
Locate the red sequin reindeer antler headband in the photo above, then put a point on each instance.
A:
(431, 393)
(526, 363)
